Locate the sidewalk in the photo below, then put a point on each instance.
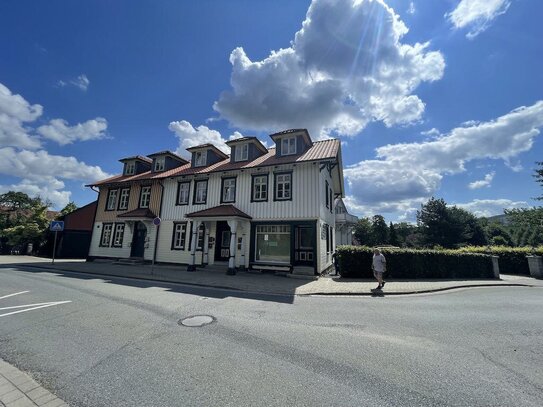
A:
(17, 389)
(257, 282)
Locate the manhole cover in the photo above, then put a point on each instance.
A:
(197, 320)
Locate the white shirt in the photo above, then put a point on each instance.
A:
(379, 262)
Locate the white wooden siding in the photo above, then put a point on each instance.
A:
(121, 252)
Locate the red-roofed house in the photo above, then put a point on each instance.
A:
(256, 208)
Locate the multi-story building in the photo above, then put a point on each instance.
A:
(256, 208)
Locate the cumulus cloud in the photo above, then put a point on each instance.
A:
(345, 67)
(477, 14)
(490, 207)
(485, 182)
(190, 137)
(411, 172)
(81, 82)
(58, 130)
(15, 111)
(411, 9)
(49, 189)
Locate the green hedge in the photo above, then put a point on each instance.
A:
(355, 262)
(512, 260)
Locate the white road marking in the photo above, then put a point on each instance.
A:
(11, 295)
(32, 307)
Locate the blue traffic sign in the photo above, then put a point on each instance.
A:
(56, 226)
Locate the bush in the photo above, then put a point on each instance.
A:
(512, 260)
(355, 262)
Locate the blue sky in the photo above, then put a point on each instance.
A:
(429, 98)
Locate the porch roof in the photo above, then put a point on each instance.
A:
(138, 213)
(221, 211)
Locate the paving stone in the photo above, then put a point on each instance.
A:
(45, 399)
(12, 396)
(27, 386)
(6, 388)
(56, 402)
(22, 402)
(36, 393)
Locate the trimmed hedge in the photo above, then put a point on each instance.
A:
(355, 262)
(512, 260)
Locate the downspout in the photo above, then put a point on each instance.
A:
(159, 215)
(93, 218)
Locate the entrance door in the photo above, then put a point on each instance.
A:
(138, 240)
(222, 242)
(304, 251)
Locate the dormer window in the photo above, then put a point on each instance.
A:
(288, 146)
(159, 164)
(130, 168)
(200, 158)
(242, 152)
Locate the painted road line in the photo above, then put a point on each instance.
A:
(11, 295)
(32, 307)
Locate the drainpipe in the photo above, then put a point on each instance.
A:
(93, 218)
(159, 215)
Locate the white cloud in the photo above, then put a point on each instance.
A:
(485, 182)
(191, 137)
(345, 67)
(432, 133)
(477, 14)
(49, 189)
(411, 9)
(490, 207)
(15, 111)
(81, 82)
(411, 172)
(58, 130)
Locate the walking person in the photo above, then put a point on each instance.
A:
(379, 266)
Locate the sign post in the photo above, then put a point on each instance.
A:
(156, 222)
(56, 226)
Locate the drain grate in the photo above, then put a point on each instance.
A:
(197, 321)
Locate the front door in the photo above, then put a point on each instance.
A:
(304, 251)
(138, 240)
(222, 242)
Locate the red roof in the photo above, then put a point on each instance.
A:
(219, 211)
(138, 213)
(320, 150)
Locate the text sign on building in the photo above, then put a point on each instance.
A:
(56, 226)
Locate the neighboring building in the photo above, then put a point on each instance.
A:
(74, 241)
(345, 224)
(259, 208)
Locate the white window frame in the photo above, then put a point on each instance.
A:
(130, 168)
(145, 196)
(160, 163)
(280, 180)
(112, 195)
(198, 200)
(118, 235)
(242, 152)
(105, 238)
(290, 144)
(228, 190)
(260, 189)
(187, 200)
(200, 158)
(124, 198)
(179, 236)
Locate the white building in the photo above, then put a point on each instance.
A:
(345, 224)
(255, 208)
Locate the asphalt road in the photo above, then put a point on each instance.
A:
(118, 343)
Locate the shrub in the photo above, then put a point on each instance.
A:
(512, 260)
(355, 262)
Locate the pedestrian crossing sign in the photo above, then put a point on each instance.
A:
(56, 226)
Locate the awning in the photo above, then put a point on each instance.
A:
(221, 211)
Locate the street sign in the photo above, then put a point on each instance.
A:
(56, 226)
(156, 221)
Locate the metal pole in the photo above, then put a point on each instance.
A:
(54, 247)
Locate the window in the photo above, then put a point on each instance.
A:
(112, 199)
(288, 146)
(283, 187)
(106, 234)
(331, 201)
(200, 234)
(118, 235)
(272, 243)
(159, 164)
(326, 192)
(123, 198)
(242, 152)
(200, 158)
(260, 188)
(145, 197)
(326, 231)
(228, 190)
(130, 168)
(179, 236)
(200, 192)
(183, 193)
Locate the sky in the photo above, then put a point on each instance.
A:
(429, 98)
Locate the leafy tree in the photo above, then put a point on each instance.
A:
(432, 220)
(379, 230)
(393, 236)
(404, 230)
(70, 207)
(539, 177)
(362, 232)
(495, 230)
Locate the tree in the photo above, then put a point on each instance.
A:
(393, 236)
(539, 177)
(432, 220)
(379, 230)
(495, 230)
(362, 232)
(70, 207)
